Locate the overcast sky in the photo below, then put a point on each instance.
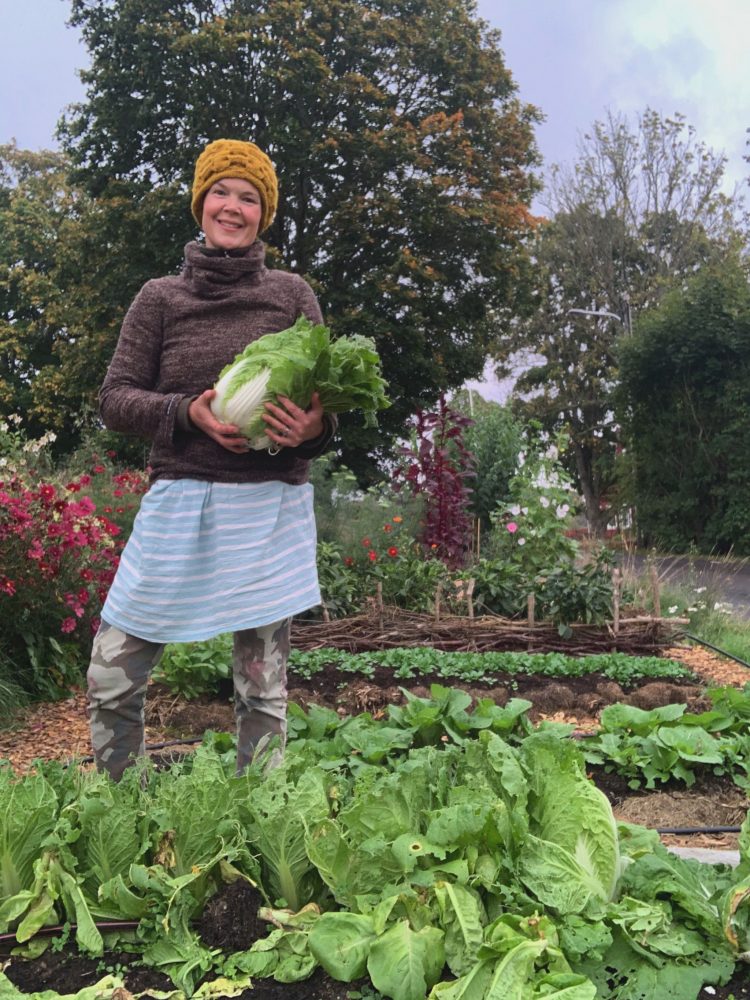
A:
(574, 59)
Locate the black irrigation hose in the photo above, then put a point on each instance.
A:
(716, 649)
(102, 925)
(687, 830)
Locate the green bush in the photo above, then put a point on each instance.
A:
(192, 669)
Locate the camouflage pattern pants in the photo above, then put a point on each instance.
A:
(121, 665)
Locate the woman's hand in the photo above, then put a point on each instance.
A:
(227, 435)
(287, 425)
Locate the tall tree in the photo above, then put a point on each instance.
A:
(684, 401)
(35, 198)
(641, 210)
(404, 155)
(69, 264)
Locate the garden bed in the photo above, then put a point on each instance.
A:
(59, 730)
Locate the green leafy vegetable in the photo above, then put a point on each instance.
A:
(295, 363)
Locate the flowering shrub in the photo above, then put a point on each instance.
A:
(58, 558)
(392, 559)
(529, 530)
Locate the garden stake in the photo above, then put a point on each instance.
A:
(469, 592)
(616, 590)
(655, 592)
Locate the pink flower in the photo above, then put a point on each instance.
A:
(372, 555)
(393, 551)
(68, 625)
(512, 527)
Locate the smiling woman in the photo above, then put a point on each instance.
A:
(225, 538)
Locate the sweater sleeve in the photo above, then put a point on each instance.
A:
(307, 303)
(128, 399)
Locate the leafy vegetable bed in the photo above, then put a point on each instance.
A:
(453, 852)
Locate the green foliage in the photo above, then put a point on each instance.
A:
(192, 669)
(196, 668)
(426, 843)
(387, 566)
(578, 594)
(669, 743)
(69, 266)
(638, 213)
(403, 152)
(412, 663)
(494, 439)
(345, 513)
(685, 401)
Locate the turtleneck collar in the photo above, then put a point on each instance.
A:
(214, 273)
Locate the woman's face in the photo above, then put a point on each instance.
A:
(232, 211)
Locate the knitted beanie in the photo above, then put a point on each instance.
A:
(232, 158)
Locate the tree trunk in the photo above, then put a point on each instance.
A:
(592, 497)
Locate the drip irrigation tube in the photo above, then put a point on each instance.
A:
(687, 830)
(102, 925)
(723, 652)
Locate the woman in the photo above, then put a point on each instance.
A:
(225, 538)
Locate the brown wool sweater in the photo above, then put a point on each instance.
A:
(177, 336)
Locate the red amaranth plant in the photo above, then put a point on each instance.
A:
(437, 467)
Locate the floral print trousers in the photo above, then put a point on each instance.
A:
(121, 665)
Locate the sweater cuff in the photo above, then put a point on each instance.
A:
(316, 447)
(183, 420)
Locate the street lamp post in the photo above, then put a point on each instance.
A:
(626, 321)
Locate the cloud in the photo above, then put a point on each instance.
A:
(688, 56)
(579, 59)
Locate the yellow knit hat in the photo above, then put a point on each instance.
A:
(232, 158)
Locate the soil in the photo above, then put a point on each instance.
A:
(60, 731)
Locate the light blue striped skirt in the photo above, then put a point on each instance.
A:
(206, 558)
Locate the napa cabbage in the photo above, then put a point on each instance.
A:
(296, 363)
(571, 858)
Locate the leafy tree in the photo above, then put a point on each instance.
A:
(404, 156)
(68, 265)
(685, 405)
(639, 213)
(494, 438)
(34, 199)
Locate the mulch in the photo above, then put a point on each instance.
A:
(59, 730)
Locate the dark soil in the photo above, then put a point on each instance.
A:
(230, 921)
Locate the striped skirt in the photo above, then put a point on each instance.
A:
(206, 558)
